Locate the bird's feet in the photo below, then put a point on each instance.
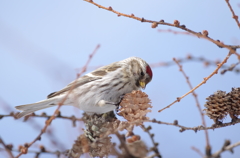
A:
(102, 103)
(120, 100)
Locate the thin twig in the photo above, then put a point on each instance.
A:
(123, 145)
(203, 82)
(176, 124)
(52, 137)
(197, 151)
(196, 100)
(234, 16)
(5, 106)
(195, 129)
(43, 115)
(6, 148)
(176, 24)
(38, 152)
(175, 32)
(155, 144)
(230, 68)
(229, 147)
(48, 122)
(188, 58)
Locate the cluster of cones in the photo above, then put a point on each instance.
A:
(96, 140)
(220, 104)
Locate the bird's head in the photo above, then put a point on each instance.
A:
(142, 71)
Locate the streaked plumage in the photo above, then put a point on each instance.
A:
(96, 91)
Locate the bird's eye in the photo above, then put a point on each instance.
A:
(142, 74)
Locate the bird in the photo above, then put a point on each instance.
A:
(100, 90)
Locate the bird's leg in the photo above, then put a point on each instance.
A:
(104, 102)
(120, 100)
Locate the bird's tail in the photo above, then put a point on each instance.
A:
(30, 108)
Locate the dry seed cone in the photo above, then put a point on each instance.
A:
(80, 146)
(234, 103)
(216, 107)
(134, 106)
(98, 127)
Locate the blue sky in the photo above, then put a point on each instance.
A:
(44, 43)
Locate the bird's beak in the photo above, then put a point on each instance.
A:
(142, 84)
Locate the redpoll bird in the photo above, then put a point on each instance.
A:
(100, 90)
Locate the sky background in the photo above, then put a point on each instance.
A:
(44, 43)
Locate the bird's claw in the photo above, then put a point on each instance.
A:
(120, 100)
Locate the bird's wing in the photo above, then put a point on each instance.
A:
(103, 71)
(79, 82)
(93, 76)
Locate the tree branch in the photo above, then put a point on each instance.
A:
(203, 82)
(6, 148)
(197, 103)
(24, 150)
(155, 144)
(225, 148)
(197, 128)
(176, 24)
(44, 115)
(234, 16)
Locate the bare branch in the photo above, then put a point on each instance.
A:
(176, 32)
(203, 82)
(196, 100)
(234, 16)
(123, 145)
(176, 24)
(197, 151)
(6, 148)
(38, 153)
(24, 150)
(155, 144)
(230, 68)
(44, 115)
(188, 58)
(225, 148)
(197, 128)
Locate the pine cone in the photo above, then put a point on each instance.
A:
(134, 106)
(216, 106)
(98, 124)
(98, 129)
(80, 146)
(234, 103)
